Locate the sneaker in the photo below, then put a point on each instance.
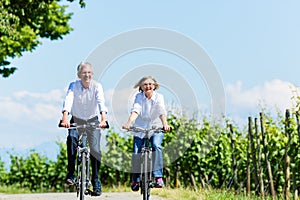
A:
(97, 192)
(70, 180)
(159, 183)
(135, 186)
(97, 189)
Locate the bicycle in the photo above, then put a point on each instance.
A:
(146, 179)
(83, 182)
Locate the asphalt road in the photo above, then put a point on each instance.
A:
(73, 196)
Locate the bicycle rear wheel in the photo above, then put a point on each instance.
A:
(82, 183)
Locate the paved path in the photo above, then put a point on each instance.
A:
(72, 196)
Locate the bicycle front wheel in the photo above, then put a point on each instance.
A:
(145, 176)
(82, 183)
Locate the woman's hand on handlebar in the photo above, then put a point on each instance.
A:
(126, 126)
(167, 128)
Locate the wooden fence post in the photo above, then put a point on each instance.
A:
(253, 150)
(266, 152)
(202, 181)
(234, 163)
(298, 126)
(248, 158)
(298, 130)
(260, 170)
(193, 181)
(287, 160)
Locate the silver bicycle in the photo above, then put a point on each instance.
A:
(146, 177)
(82, 181)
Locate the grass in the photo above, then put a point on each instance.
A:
(189, 194)
(203, 194)
(13, 190)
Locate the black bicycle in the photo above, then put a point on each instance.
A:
(83, 182)
(146, 178)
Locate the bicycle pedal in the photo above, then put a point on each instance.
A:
(152, 185)
(88, 192)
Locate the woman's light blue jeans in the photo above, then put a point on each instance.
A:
(157, 156)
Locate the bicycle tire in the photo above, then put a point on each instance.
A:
(87, 184)
(145, 179)
(142, 174)
(83, 177)
(78, 178)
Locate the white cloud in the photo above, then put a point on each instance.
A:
(30, 118)
(272, 95)
(51, 96)
(24, 105)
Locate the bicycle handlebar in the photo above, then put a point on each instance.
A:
(86, 125)
(139, 129)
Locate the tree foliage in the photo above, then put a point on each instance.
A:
(23, 23)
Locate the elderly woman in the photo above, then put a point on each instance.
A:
(148, 111)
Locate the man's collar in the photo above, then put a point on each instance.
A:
(82, 87)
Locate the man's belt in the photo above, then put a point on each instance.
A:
(82, 121)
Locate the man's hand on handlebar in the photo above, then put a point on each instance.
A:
(65, 124)
(103, 124)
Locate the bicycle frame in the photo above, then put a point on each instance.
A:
(83, 169)
(83, 182)
(146, 160)
(83, 158)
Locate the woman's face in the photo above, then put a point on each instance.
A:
(148, 86)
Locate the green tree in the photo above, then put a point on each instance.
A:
(23, 23)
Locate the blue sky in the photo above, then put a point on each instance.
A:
(254, 45)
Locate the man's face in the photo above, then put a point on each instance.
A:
(85, 74)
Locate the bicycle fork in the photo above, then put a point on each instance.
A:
(83, 165)
(88, 181)
(146, 172)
